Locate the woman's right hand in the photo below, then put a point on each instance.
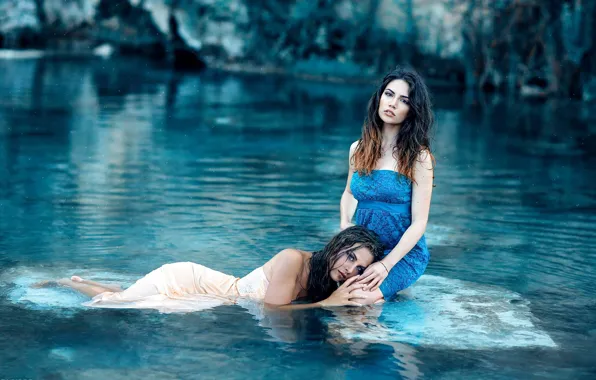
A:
(342, 296)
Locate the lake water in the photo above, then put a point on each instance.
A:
(111, 169)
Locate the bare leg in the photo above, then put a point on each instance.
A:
(150, 285)
(86, 289)
(113, 288)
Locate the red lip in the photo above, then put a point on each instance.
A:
(342, 275)
(390, 113)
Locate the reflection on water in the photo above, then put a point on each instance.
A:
(114, 168)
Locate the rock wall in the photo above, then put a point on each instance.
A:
(227, 27)
(483, 43)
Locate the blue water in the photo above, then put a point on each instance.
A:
(110, 169)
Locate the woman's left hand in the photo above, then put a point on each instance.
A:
(374, 275)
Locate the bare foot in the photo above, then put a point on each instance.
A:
(77, 279)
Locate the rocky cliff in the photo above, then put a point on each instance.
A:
(537, 48)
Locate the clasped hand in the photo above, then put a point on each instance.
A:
(343, 296)
(373, 276)
(370, 280)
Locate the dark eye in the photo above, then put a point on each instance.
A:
(360, 270)
(388, 93)
(405, 101)
(351, 257)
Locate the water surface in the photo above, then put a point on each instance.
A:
(110, 169)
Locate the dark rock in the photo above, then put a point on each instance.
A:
(496, 46)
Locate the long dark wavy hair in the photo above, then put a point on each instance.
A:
(414, 133)
(320, 284)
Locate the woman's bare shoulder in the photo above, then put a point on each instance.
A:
(425, 159)
(289, 257)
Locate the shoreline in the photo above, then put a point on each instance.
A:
(213, 64)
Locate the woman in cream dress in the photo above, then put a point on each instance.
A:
(290, 275)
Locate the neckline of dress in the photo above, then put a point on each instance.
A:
(387, 171)
(384, 170)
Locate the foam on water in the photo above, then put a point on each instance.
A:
(439, 311)
(18, 282)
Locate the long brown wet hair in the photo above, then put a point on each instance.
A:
(320, 284)
(414, 133)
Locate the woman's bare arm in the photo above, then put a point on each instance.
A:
(422, 190)
(347, 205)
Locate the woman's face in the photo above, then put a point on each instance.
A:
(350, 263)
(394, 104)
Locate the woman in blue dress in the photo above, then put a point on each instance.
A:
(390, 182)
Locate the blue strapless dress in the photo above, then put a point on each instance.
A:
(384, 206)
